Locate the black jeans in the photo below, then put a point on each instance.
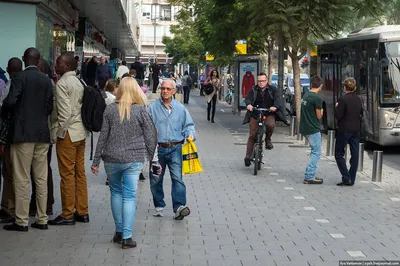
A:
(212, 105)
(342, 139)
(156, 80)
(186, 92)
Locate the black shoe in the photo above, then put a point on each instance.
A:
(212, 121)
(49, 212)
(3, 213)
(117, 238)
(7, 220)
(15, 227)
(315, 181)
(141, 177)
(40, 226)
(349, 183)
(81, 218)
(247, 162)
(59, 220)
(268, 145)
(128, 243)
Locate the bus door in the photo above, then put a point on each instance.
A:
(371, 100)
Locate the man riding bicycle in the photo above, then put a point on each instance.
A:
(262, 95)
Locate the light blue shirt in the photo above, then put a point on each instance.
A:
(174, 125)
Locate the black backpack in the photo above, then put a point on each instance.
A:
(93, 106)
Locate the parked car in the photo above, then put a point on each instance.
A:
(304, 81)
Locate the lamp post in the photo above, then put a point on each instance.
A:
(154, 20)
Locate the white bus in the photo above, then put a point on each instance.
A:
(372, 57)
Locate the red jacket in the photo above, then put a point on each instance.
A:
(248, 82)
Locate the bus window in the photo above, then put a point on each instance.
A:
(390, 67)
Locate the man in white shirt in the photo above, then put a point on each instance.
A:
(122, 69)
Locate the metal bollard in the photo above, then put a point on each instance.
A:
(377, 166)
(292, 126)
(361, 158)
(330, 149)
(306, 141)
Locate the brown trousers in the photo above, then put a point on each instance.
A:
(253, 125)
(8, 195)
(73, 186)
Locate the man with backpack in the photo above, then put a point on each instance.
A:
(70, 145)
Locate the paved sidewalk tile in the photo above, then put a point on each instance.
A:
(236, 218)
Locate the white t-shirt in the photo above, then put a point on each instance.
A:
(110, 98)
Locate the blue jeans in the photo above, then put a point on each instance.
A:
(123, 179)
(342, 139)
(315, 144)
(171, 157)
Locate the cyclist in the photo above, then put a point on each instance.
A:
(262, 95)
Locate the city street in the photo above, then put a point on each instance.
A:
(236, 218)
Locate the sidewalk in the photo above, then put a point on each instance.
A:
(236, 218)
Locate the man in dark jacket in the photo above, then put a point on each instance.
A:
(103, 73)
(30, 102)
(348, 113)
(262, 95)
(139, 69)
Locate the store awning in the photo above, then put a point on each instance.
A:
(109, 17)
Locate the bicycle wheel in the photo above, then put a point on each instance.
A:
(230, 100)
(256, 158)
(260, 157)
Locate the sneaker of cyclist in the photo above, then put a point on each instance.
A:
(262, 95)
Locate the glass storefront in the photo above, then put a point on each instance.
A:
(44, 36)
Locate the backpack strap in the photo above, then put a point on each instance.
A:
(91, 146)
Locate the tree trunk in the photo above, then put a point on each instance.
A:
(296, 79)
(269, 62)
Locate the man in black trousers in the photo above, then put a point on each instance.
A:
(348, 113)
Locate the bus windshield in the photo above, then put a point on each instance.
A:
(390, 89)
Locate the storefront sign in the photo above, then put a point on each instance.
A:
(65, 10)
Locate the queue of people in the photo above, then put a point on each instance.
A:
(132, 133)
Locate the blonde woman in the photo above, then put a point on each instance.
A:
(127, 139)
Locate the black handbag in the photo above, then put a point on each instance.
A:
(208, 89)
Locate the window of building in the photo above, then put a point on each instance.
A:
(165, 12)
(146, 11)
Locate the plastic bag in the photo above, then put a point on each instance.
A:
(190, 159)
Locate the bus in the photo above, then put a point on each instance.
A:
(372, 57)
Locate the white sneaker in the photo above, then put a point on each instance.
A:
(159, 212)
(181, 212)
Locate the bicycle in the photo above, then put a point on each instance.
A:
(228, 96)
(257, 155)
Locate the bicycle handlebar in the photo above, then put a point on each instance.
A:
(261, 109)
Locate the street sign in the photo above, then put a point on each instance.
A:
(241, 47)
(209, 57)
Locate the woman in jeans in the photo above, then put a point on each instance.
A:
(127, 139)
(212, 79)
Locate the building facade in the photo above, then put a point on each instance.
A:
(155, 19)
(81, 27)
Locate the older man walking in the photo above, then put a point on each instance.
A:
(174, 124)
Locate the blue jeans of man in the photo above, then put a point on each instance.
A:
(342, 139)
(123, 179)
(315, 144)
(171, 157)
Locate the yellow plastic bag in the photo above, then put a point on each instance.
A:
(190, 159)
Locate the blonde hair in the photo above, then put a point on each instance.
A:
(129, 93)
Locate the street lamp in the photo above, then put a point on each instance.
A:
(154, 20)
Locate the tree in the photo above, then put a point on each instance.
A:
(297, 23)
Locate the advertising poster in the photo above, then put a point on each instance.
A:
(247, 79)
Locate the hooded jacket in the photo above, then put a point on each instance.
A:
(247, 83)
